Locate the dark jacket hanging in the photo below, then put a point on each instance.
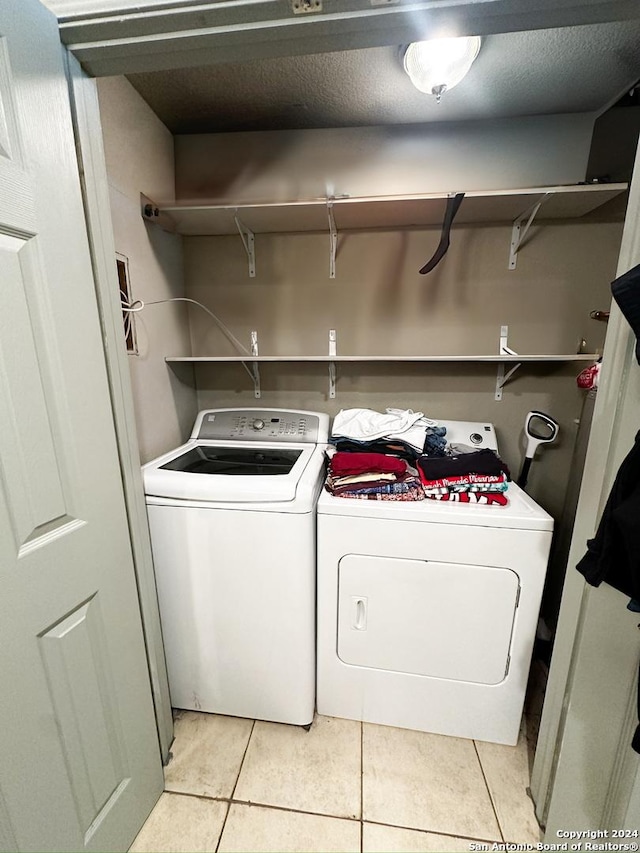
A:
(613, 555)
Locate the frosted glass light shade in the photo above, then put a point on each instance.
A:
(438, 65)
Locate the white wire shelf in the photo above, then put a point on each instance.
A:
(383, 358)
(393, 211)
(505, 356)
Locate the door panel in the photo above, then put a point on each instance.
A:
(16, 205)
(28, 455)
(81, 765)
(81, 687)
(444, 620)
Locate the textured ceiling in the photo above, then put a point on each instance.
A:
(575, 69)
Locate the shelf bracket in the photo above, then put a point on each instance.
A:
(504, 349)
(332, 365)
(333, 239)
(255, 372)
(152, 213)
(248, 241)
(519, 231)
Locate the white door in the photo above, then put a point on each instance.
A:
(443, 620)
(586, 774)
(80, 766)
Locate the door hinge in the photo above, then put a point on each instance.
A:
(518, 596)
(506, 672)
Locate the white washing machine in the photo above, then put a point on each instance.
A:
(427, 611)
(233, 533)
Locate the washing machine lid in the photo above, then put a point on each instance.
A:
(233, 461)
(229, 473)
(521, 513)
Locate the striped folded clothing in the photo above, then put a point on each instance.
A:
(399, 487)
(414, 493)
(470, 490)
(471, 497)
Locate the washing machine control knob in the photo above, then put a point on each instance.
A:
(258, 424)
(475, 438)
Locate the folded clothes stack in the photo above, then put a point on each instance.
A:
(401, 455)
(373, 476)
(400, 432)
(478, 477)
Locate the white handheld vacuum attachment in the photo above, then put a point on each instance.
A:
(540, 429)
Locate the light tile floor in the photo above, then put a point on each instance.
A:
(239, 785)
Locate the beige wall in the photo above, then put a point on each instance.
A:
(423, 158)
(139, 155)
(379, 304)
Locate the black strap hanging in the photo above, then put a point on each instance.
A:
(453, 203)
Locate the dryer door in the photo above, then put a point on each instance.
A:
(444, 620)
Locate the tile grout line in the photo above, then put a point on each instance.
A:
(235, 802)
(224, 823)
(435, 832)
(361, 786)
(493, 805)
(271, 807)
(244, 755)
(235, 785)
(250, 803)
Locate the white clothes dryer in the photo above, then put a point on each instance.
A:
(427, 611)
(233, 534)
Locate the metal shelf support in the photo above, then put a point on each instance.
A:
(255, 371)
(248, 241)
(332, 364)
(333, 239)
(152, 213)
(519, 231)
(504, 349)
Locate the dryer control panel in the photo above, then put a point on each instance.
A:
(269, 425)
(471, 433)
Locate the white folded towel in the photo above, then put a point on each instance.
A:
(368, 425)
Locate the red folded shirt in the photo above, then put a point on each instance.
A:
(346, 464)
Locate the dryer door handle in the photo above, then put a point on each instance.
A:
(360, 613)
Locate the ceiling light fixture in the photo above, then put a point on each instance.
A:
(437, 65)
